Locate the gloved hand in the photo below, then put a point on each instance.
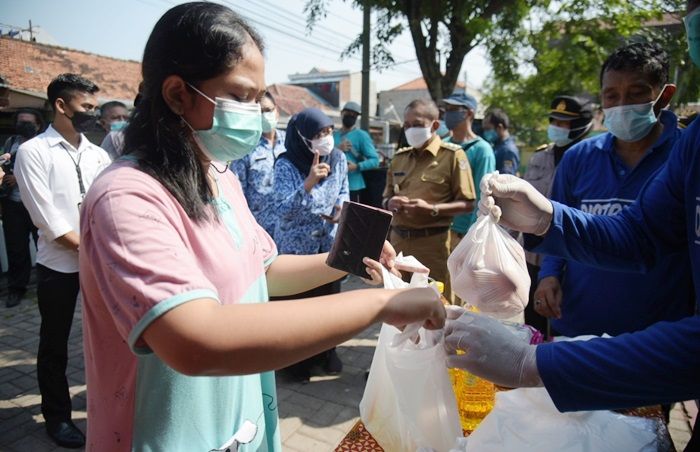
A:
(515, 203)
(491, 350)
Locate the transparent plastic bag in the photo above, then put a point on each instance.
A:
(488, 270)
(526, 420)
(408, 401)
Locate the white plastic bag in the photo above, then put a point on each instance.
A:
(527, 420)
(408, 401)
(488, 270)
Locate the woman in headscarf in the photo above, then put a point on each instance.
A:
(311, 184)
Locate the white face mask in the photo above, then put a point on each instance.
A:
(323, 145)
(418, 136)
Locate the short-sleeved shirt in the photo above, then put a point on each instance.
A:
(507, 156)
(255, 171)
(438, 173)
(362, 153)
(141, 256)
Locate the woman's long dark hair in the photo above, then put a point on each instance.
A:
(197, 41)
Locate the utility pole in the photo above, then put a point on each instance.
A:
(31, 32)
(364, 119)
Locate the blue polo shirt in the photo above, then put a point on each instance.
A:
(660, 364)
(362, 153)
(592, 178)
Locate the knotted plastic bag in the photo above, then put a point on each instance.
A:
(408, 401)
(488, 269)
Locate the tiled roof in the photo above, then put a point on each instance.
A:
(417, 84)
(292, 99)
(31, 66)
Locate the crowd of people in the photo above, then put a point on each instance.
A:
(197, 209)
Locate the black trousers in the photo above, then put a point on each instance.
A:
(57, 293)
(17, 225)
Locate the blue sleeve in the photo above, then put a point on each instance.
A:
(653, 225)
(240, 169)
(368, 152)
(344, 194)
(658, 365)
(290, 195)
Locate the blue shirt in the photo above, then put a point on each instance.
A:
(256, 172)
(362, 153)
(507, 156)
(592, 178)
(660, 364)
(482, 161)
(300, 229)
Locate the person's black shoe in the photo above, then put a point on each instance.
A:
(13, 299)
(65, 434)
(333, 364)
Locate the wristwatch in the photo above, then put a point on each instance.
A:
(435, 211)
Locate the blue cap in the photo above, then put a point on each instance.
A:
(465, 100)
(353, 106)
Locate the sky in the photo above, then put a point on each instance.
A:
(120, 29)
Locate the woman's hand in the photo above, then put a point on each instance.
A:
(415, 305)
(317, 172)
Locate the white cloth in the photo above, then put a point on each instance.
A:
(48, 181)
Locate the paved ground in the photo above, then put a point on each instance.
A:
(314, 417)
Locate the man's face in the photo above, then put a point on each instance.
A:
(349, 113)
(560, 123)
(627, 88)
(113, 114)
(417, 118)
(80, 101)
(27, 117)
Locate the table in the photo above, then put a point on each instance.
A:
(359, 439)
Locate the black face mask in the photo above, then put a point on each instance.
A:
(27, 129)
(349, 121)
(83, 121)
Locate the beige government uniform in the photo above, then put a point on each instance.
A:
(540, 172)
(438, 173)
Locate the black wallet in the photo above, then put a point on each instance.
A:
(361, 233)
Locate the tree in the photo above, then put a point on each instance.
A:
(561, 48)
(439, 28)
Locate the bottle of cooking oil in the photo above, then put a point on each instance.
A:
(475, 396)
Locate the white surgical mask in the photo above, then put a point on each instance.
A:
(323, 145)
(418, 136)
(632, 122)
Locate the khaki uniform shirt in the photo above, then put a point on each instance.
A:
(540, 173)
(438, 173)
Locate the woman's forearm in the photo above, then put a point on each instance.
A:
(292, 274)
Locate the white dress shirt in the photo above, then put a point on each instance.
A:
(49, 185)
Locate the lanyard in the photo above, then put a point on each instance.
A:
(77, 169)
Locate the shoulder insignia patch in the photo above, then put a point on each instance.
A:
(463, 164)
(404, 149)
(542, 148)
(451, 146)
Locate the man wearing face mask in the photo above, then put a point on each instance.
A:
(602, 175)
(16, 224)
(570, 121)
(255, 171)
(497, 132)
(428, 183)
(358, 147)
(113, 119)
(54, 171)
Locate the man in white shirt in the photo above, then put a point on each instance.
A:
(54, 170)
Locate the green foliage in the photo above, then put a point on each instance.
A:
(560, 50)
(443, 31)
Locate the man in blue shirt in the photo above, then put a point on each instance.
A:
(660, 364)
(582, 299)
(256, 170)
(496, 125)
(358, 147)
